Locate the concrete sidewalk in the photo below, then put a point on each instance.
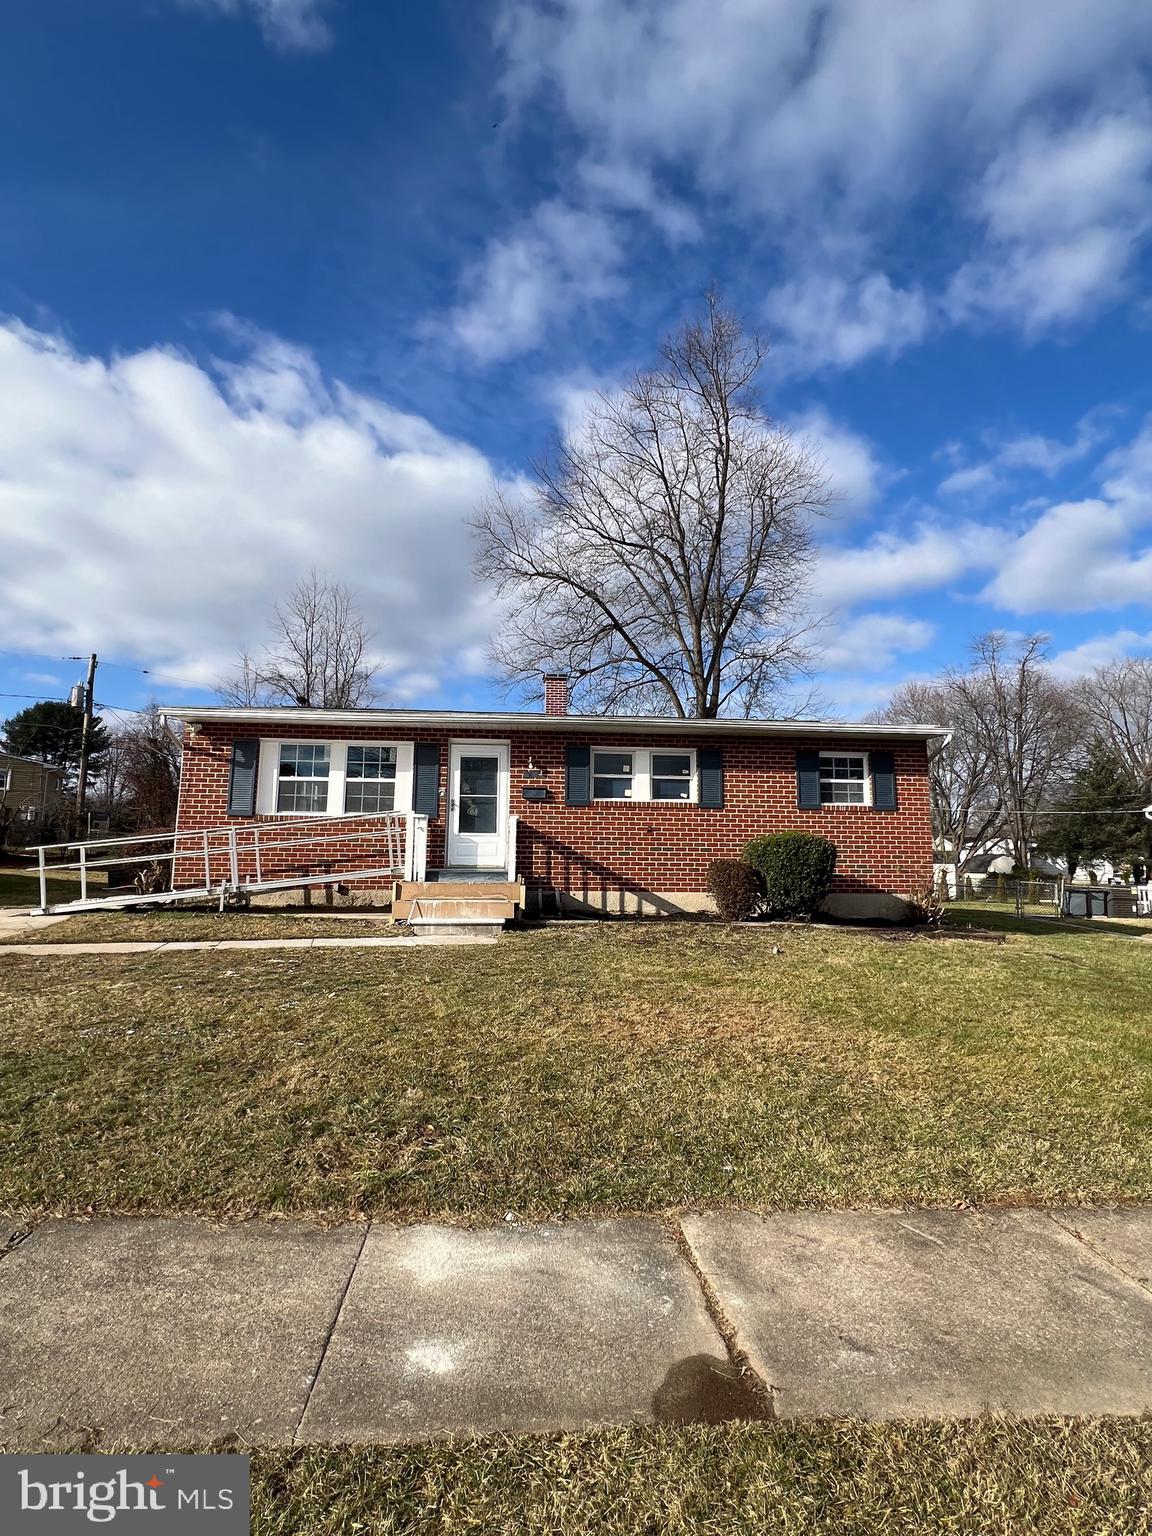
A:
(182, 1332)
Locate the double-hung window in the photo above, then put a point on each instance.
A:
(302, 778)
(334, 778)
(671, 776)
(370, 780)
(643, 774)
(844, 778)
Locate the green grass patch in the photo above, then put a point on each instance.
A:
(984, 1477)
(580, 1070)
(168, 927)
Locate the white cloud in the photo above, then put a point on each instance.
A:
(155, 509)
(891, 565)
(815, 127)
(1065, 211)
(1092, 553)
(560, 258)
(854, 472)
(1099, 651)
(1077, 555)
(1030, 453)
(289, 24)
(872, 642)
(793, 104)
(831, 321)
(627, 186)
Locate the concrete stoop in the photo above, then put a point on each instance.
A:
(457, 906)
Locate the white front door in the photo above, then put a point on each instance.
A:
(478, 805)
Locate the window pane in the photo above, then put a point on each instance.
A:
(371, 762)
(842, 779)
(304, 761)
(303, 795)
(671, 789)
(477, 813)
(479, 776)
(668, 765)
(610, 763)
(611, 789)
(370, 798)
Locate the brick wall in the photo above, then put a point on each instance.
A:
(591, 851)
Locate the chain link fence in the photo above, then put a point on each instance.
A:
(1007, 893)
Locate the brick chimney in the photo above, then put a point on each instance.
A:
(555, 693)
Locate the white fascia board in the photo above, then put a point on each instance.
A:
(610, 725)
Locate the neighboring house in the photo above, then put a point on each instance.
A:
(590, 812)
(29, 790)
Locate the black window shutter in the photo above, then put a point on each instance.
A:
(710, 766)
(883, 781)
(242, 780)
(808, 781)
(578, 784)
(426, 779)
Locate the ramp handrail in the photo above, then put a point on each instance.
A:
(248, 840)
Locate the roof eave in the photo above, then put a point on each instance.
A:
(605, 724)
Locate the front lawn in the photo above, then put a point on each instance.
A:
(574, 1070)
(983, 1477)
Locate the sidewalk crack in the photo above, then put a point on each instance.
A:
(762, 1392)
(1100, 1253)
(339, 1308)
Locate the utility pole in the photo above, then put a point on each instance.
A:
(85, 742)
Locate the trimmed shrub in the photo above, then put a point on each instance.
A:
(735, 888)
(795, 869)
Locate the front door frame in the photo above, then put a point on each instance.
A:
(459, 845)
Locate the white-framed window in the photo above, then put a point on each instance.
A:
(5, 780)
(643, 773)
(302, 773)
(844, 779)
(333, 778)
(369, 779)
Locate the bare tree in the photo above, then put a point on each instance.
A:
(1117, 704)
(966, 808)
(1026, 724)
(318, 656)
(151, 769)
(661, 553)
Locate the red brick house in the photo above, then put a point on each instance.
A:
(589, 812)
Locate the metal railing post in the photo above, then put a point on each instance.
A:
(43, 879)
(409, 846)
(513, 829)
(256, 851)
(83, 873)
(234, 863)
(207, 865)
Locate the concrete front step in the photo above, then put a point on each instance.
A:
(426, 912)
(439, 890)
(428, 904)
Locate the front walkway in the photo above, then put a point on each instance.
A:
(176, 1331)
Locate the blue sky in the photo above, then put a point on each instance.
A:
(294, 282)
